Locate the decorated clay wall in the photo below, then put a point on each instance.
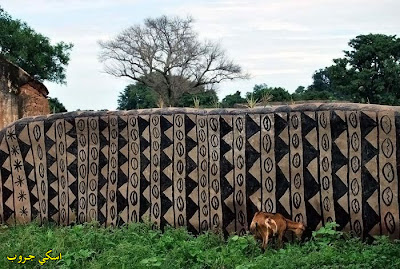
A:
(206, 169)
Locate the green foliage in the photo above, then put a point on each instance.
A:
(138, 245)
(313, 95)
(368, 73)
(136, 96)
(56, 106)
(205, 98)
(215, 103)
(231, 99)
(277, 94)
(32, 51)
(327, 235)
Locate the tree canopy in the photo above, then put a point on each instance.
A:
(136, 96)
(274, 94)
(32, 51)
(231, 99)
(206, 98)
(368, 73)
(166, 55)
(56, 106)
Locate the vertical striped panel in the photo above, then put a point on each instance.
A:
(253, 164)
(296, 175)
(355, 186)
(227, 180)
(112, 173)
(325, 159)
(62, 171)
(192, 177)
(389, 206)
(282, 161)
(123, 167)
(104, 135)
(179, 171)
(7, 181)
(204, 205)
(311, 170)
(340, 152)
(268, 166)
(166, 167)
(215, 190)
(239, 173)
(134, 170)
(72, 169)
(36, 132)
(155, 131)
(93, 175)
(144, 133)
(52, 168)
(83, 143)
(370, 173)
(22, 207)
(2, 219)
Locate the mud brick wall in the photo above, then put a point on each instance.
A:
(20, 94)
(206, 169)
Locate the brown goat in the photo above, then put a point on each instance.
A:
(265, 224)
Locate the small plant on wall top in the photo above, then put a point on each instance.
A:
(251, 102)
(215, 103)
(196, 102)
(266, 98)
(160, 102)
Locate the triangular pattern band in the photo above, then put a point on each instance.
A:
(206, 169)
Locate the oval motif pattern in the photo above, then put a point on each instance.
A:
(387, 196)
(390, 222)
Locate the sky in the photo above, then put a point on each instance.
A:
(278, 42)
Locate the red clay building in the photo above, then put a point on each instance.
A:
(20, 94)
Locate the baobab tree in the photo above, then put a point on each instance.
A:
(166, 55)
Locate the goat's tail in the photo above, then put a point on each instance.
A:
(253, 227)
(295, 225)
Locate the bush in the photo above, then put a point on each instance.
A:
(138, 245)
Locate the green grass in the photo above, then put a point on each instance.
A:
(139, 246)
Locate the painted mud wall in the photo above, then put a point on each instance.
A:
(206, 169)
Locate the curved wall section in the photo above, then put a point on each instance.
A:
(206, 169)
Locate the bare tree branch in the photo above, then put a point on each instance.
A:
(166, 55)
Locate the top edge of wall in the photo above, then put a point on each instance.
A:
(217, 111)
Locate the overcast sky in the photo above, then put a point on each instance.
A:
(279, 42)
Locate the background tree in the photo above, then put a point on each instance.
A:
(137, 96)
(300, 90)
(313, 92)
(369, 72)
(207, 98)
(56, 106)
(32, 51)
(231, 99)
(277, 94)
(166, 55)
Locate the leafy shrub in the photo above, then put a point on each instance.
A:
(139, 245)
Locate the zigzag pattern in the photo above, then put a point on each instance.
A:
(205, 169)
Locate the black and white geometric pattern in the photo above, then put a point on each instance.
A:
(206, 169)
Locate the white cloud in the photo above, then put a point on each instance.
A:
(279, 42)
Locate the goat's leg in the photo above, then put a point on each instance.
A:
(280, 239)
(299, 234)
(265, 241)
